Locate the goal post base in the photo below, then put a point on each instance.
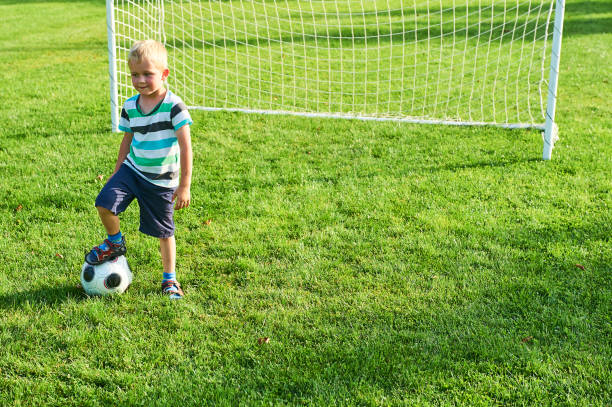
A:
(550, 136)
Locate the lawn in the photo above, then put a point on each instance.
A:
(325, 262)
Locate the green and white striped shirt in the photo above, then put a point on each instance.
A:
(154, 152)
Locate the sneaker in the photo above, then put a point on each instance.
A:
(98, 255)
(173, 289)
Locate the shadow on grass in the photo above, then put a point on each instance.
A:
(483, 164)
(586, 26)
(42, 296)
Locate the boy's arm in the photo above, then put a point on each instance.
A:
(124, 150)
(182, 195)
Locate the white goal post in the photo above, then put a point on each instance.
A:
(458, 62)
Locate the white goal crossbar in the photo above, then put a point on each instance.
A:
(450, 62)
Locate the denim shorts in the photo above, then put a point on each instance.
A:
(155, 202)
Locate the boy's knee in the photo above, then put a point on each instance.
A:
(103, 210)
(105, 213)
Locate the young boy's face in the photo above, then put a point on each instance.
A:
(147, 77)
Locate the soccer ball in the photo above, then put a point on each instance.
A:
(111, 277)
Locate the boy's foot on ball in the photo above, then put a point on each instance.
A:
(173, 289)
(106, 251)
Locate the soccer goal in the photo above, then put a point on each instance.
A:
(456, 62)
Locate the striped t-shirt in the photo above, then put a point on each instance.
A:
(154, 152)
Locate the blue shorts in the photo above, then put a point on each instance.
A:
(155, 202)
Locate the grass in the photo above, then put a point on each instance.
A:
(387, 264)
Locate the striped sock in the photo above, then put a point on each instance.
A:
(169, 276)
(113, 238)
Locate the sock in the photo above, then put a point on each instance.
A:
(113, 238)
(169, 276)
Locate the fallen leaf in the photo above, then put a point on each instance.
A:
(527, 339)
(261, 341)
(580, 266)
(59, 255)
(18, 208)
(100, 177)
(208, 222)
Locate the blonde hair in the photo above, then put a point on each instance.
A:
(149, 49)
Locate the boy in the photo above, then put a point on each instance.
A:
(156, 146)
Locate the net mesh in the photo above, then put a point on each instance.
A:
(460, 61)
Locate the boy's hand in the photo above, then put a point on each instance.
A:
(181, 197)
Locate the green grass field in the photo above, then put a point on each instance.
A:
(388, 264)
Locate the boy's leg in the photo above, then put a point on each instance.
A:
(116, 195)
(170, 285)
(109, 220)
(157, 220)
(113, 246)
(167, 247)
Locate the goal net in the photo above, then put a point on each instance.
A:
(433, 61)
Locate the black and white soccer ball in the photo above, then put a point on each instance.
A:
(111, 277)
